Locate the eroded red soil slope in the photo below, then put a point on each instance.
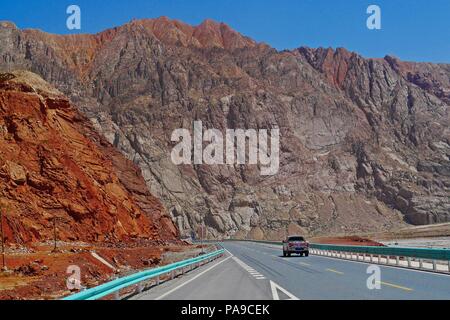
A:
(53, 165)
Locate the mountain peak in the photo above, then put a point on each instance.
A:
(211, 33)
(208, 34)
(209, 21)
(7, 25)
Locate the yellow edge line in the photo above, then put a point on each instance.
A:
(335, 271)
(395, 286)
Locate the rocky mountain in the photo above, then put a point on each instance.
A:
(54, 168)
(365, 143)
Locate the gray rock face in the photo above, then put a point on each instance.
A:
(365, 143)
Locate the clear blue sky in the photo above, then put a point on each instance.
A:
(416, 30)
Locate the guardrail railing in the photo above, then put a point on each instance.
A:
(437, 260)
(113, 287)
(425, 253)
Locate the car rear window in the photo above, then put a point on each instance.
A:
(296, 239)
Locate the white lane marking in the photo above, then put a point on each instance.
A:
(246, 267)
(275, 287)
(192, 279)
(231, 255)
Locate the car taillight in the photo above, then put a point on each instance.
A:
(291, 244)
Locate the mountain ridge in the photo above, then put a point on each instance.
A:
(358, 133)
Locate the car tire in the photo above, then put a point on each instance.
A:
(306, 254)
(284, 253)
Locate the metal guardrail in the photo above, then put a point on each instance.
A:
(114, 286)
(421, 253)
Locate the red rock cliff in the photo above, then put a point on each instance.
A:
(54, 165)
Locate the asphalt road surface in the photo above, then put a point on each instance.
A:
(253, 271)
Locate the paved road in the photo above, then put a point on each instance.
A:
(253, 271)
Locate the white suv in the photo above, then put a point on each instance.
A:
(295, 244)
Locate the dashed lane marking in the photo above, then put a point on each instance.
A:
(395, 286)
(335, 271)
(253, 272)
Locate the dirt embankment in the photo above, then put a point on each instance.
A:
(429, 231)
(38, 273)
(59, 176)
(347, 240)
